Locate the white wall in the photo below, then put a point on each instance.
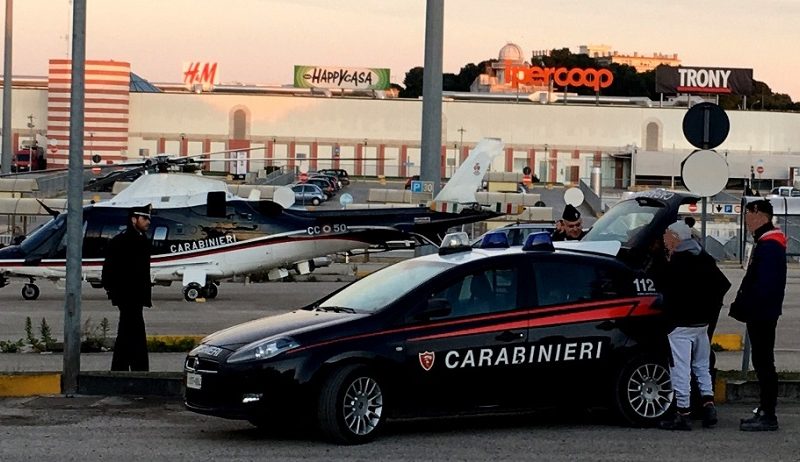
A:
(771, 137)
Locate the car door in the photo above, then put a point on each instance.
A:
(469, 357)
(574, 324)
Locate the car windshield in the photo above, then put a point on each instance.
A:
(381, 288)
(624, 221)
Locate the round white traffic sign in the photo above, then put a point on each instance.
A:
(573, 197)
(346, 199)
(704, 173)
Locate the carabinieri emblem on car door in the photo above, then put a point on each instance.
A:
(426, 359)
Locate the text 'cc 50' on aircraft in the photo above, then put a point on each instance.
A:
(202, 234)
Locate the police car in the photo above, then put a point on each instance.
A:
(467, 330)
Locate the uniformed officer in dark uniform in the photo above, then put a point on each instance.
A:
(571, 226)
(126, 278)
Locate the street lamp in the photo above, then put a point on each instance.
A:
(461, 140)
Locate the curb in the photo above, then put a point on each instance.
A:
(30, 384)
(730, 342)
(169, 384)
(748, 390)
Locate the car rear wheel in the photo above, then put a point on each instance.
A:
(643, 394)
(351, 409)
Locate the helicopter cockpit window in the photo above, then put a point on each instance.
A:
(46, 239)
(160, 233)
(110, 231)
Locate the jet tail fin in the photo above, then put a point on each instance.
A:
(469, 176)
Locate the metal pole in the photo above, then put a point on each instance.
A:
(746, 354)
(703, 218)
(432, 95)
(72, 300)
(5, 158)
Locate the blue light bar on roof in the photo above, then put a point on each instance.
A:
(539, 241)
(496, 240)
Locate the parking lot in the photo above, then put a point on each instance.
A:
(112, 428)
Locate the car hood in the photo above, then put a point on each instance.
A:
(288, 324)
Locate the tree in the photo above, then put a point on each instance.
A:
(412, 83)
(627, 82)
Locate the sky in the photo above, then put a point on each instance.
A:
(259, 41)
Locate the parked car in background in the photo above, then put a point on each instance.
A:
(337, 185)
(305, 193)
(339, 173)
(325, 184)
(785, 191)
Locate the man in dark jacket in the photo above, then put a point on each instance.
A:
(690, 313)
(126, 278)
(571, 228)
(759, 303)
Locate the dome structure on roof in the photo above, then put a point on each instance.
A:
(510, 52)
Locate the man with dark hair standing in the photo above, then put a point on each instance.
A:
(126, 278)
(759, 303)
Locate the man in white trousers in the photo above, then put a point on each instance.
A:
(690, 312)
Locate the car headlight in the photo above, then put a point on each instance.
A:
(263, 349)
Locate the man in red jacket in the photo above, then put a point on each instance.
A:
(759, 303)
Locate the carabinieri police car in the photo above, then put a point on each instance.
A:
(464, 331)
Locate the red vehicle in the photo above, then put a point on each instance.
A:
(28, 159)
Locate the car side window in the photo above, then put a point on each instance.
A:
(481, 292)
(574, 282)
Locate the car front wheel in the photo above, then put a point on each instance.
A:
(351, 409)
(643, 394)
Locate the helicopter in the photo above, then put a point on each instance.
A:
(202, 234)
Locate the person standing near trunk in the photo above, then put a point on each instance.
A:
(759, 304)
(126, 278)
(690, 313)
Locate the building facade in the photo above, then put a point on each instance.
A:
(371, 137)
(640, 62)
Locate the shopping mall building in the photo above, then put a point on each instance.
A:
(371, 134)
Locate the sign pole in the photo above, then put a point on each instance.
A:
(703, 218)
(72, 299)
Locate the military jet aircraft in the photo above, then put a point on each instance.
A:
(202, 234)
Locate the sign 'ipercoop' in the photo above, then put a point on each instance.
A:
(561, 76)
(353, 78)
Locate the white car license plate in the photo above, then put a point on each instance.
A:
(193, 380)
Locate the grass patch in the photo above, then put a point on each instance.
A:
(171, 344)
